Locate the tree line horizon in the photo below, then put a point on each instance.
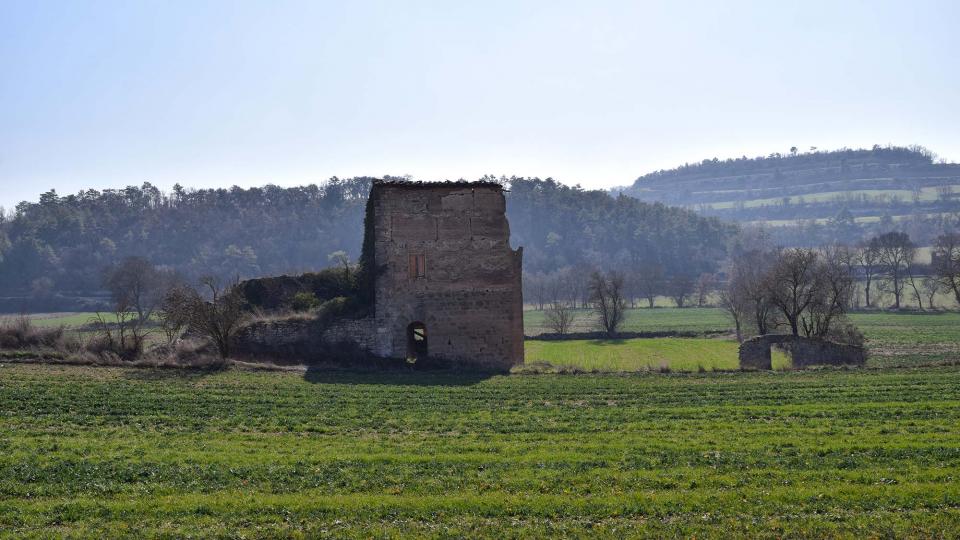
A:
(59, 246)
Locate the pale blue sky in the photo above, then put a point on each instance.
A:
(106, 94)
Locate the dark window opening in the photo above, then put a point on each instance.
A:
(416, 341)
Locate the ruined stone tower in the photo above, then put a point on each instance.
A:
(447, 283)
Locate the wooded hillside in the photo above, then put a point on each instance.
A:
(61, 245)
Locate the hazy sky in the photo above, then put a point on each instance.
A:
(106, 94)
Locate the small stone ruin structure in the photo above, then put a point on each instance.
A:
(755, 353)
(446, 285)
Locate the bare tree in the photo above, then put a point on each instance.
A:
(649, 281)
(811, 290)
(217, 319)
(946, 263)
(608, 302)
(118, 331)
(791, 284)
(705, 285)
(137, 284)
(560, 317)
(137, 289)
(681, 287)
(750, 275)
(736, 304)
(834, 289)
(914, 279)
(931, 286)
(535, 288)
(555, 285)
(579, 278)
(896, 254)
(341, 258)
(868, 260)
(173, 314)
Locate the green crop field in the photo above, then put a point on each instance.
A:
(676, 354)
(927, 194)
(881, 327)
(695, 320)
(105, 452)
(56, 319)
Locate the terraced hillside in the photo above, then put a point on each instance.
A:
(838, 195)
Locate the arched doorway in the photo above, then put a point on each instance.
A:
(416, 341)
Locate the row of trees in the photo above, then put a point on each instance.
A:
(605, 295)
(573, 286)
(888, 263)
(806, 291)
(839, 159)
(809, 291)
(801, 290)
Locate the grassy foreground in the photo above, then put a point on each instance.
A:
(112, 452)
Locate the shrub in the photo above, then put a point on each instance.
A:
(846, 333)
(304, 301)
(278, 293)
(21, 333)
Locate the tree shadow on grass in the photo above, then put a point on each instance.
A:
(611, 341)
(396, 376)
(138, 373)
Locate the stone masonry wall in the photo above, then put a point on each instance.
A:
(360, 332)
(304, 340)
(283, 341)
(469, 296)
(755, 353)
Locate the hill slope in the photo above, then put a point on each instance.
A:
(836, 195)
(61, 245)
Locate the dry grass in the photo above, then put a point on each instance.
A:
(21, 333)
(21, 341)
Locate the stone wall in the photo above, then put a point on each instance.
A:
(286, 341)
(298, 340)
(441, 259)
(755, 353)
(360, 332)
(469, 297)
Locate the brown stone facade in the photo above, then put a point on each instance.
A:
(447, 282)
(755, 353)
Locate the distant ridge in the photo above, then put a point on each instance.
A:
(864, 189)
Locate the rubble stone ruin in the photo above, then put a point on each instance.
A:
(755, 353)
(447, 284)
(441, 286)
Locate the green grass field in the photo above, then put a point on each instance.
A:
(103, 452)
(893, 339)
(667, 319)
(880, 328)
(927, 194)
(71, 320)
(676, 354)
